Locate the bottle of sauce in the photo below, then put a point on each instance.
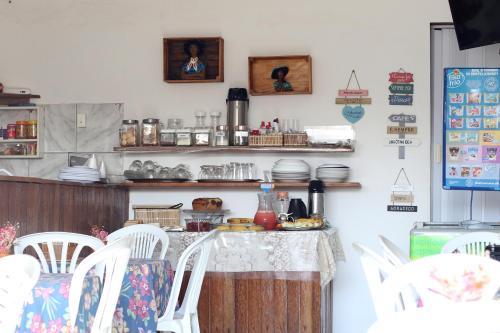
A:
(265, 215)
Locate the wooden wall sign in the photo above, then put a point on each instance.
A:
(402, 194)
(401, 88)
(193, 60)
(402, 129)
(280, 75)
(349, 97)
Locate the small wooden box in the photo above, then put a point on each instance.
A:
(269, 140)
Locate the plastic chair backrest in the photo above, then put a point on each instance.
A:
(114, 257)
(392, 252)
(471, 243)
(146, 238)
(18, 276)
(376, 269)
(200, 251)
(441, 279)
(52, 240)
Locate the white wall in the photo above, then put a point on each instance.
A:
(111, 51)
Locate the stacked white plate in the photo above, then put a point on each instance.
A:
(82, 174)
(291, 170)
(332, 173)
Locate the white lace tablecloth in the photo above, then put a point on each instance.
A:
(268, 251)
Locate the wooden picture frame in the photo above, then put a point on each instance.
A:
(176, 59)
(280, 75)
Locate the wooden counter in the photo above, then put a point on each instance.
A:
(41, 205)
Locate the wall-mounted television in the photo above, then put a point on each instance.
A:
(476, 22)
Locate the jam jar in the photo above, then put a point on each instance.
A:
(150, 131)
(129, 133)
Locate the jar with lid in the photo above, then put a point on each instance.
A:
(32, 129)
(129, 133)
(11, 131)
(240, 136)
(21, 129)
(183, 137)
(167, 137)
(201, 136)
(221, 137)
(150, 131)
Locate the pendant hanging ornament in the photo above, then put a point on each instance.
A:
(401, 88)
(348, 97)
(402, 197)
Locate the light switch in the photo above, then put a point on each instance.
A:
(80, 120)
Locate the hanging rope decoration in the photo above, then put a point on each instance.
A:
(348, 97)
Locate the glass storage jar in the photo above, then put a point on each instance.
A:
(32, 129)
(167, 137)
(21, 129)
(183, 137)
(240, 135)
(129, 133)
(221, 137)
(201, 137)
(150, 131)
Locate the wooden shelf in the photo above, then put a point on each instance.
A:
(242, 185)
(28, 107)
(231, 149)
(18, 141)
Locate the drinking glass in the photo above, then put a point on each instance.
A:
(285, 125)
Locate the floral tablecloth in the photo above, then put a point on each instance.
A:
(146, 288)
(268, 251)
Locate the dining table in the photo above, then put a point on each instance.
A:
(144, 296)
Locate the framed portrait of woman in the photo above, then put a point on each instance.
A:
(280, 75)
(193, 60)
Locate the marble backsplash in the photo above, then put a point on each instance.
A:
(62, 138)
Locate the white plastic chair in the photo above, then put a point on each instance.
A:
(114, 259)
(471, 243)
(392, 252)
(440, 281)
(376, 269)
(18, 276)
(145, 239)
(63, 239)
(185, 319)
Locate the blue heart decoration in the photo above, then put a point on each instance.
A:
(353, 114)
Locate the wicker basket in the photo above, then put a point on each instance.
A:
(273, 140)
(157, 214)
(295, 139)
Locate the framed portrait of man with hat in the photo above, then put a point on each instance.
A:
(280, 75)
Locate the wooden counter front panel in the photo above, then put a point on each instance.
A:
(260, 302)
(40, 207)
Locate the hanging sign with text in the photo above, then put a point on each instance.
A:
(407, 118)
(405, 142)
(402, 129)
(401, 88)
(400, 100)
(400, 77)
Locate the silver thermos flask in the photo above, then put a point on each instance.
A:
(237, 110)
(316, 202)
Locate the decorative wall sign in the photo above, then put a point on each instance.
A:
(407, 118)
(401, 129)
(406, 142)
(353, 96)
(402, 195)
(401, 142)
(353, 114)
(400, 100)
(401, 88)
(280, 75)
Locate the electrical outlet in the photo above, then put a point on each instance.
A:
(80, 120)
